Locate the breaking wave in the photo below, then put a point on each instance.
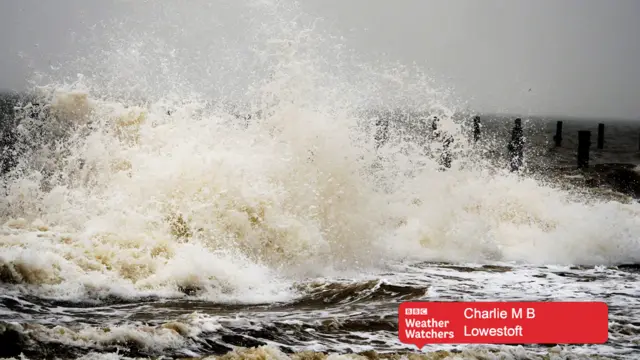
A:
(153, 175)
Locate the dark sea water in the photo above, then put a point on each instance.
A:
(621, 138)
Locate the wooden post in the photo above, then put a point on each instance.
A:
(476, 128)
(584, 144)
(600, 136)
(516, 146)
(445, 157)
(558, 137)
(434, 126)
(447, 140)
(382, 131)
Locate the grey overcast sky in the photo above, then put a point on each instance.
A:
(578, 57)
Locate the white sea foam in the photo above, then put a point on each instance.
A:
(152, 188)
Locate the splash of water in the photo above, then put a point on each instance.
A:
(147, 175)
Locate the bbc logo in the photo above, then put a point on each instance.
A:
(416, 311)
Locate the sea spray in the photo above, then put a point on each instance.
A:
(136, 178)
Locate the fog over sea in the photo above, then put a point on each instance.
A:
(234, 202)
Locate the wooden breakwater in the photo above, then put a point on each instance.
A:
(416, 126)
(620, 177)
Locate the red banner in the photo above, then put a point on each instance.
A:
(422, 323)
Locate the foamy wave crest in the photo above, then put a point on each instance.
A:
(178, 194)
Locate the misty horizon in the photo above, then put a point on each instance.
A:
(484, 115)
(546, 59)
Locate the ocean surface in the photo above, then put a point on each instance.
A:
(170, 197)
